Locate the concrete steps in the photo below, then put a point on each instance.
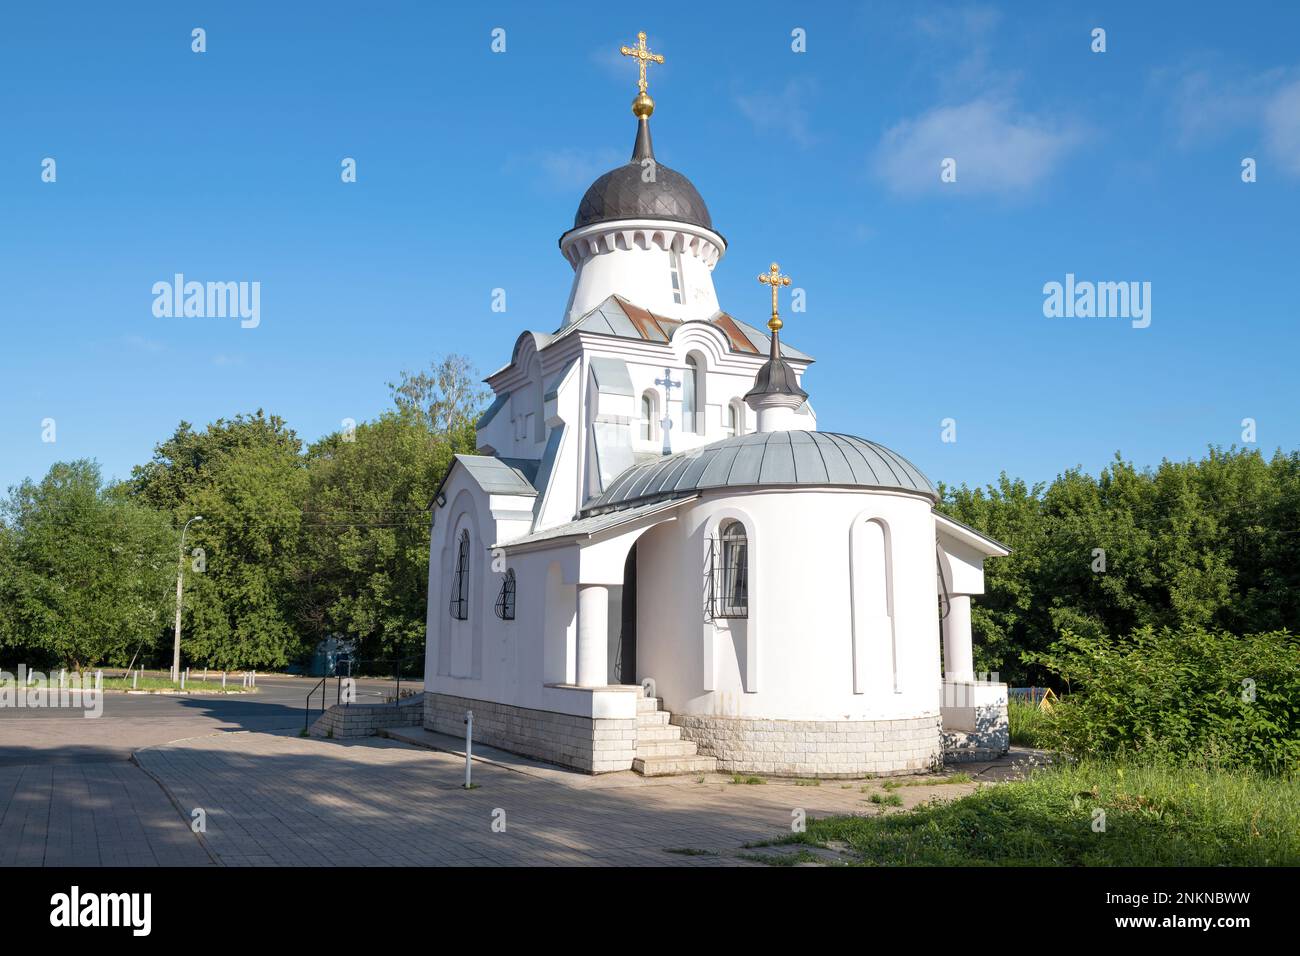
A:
(660, 750)
(666, 748)
(669, 766)
(657, 733)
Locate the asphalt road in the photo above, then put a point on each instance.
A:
(130, 721)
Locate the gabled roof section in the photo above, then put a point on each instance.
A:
(495, 476)
(617, 316)
(990, 547)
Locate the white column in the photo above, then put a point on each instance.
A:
(958, 654)
(593, 635)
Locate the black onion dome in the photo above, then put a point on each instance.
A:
(776, 377)
(623, 193)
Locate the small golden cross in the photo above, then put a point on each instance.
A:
(643, 56)
(774, 278)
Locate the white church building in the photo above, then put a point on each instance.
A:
(656, 561)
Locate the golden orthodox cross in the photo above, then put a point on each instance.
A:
(642, 55)
(774, 278)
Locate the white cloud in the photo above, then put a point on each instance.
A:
(785, 112)
(997, 148)
(1205, 105)
(1282, 127)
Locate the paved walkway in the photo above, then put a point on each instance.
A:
(275, 799)
(69, 795)
(99, 814)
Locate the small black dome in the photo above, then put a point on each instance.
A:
(623, 193)
(776, 377)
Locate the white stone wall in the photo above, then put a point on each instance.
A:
(594, 745)
(820, 748)
(363, 720)
(975, 724)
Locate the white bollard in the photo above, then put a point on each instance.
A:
(184, 675)
(254, 679)
(135, 680)
(99, 680)
(223, 680)
(63, 673)
(469, 744)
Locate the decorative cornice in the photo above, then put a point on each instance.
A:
(578, 245)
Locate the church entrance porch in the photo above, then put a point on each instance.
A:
(623, 665)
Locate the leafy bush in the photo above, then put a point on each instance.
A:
(1028, 723)
(1187, 696)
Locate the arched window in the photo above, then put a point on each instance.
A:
(505, 606)
(459, 603)
(691, 395)
(735, 418)
(647, 417)
(733, 580)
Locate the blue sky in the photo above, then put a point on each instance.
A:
(925, 299)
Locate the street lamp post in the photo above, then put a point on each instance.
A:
(180, 577)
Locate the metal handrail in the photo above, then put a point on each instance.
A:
(306, 719)
(338, 687)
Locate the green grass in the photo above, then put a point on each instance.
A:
(1028, 723)
(886, 799)
(810, 782)
(929, 781)
(781, 859)
(689, 851)
(1154, 816)
(751, 781)
(164, 683)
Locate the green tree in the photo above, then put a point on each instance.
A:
(364, 552)
(86, 572)
(246, 477)
(1209, 544)
(447, 397)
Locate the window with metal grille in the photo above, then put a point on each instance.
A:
(727, 585)
(505, 606)
(459, 603)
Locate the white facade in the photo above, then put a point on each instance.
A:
(851, 595)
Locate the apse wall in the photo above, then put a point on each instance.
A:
(812, 681)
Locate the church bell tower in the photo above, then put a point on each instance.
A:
(642, 231)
